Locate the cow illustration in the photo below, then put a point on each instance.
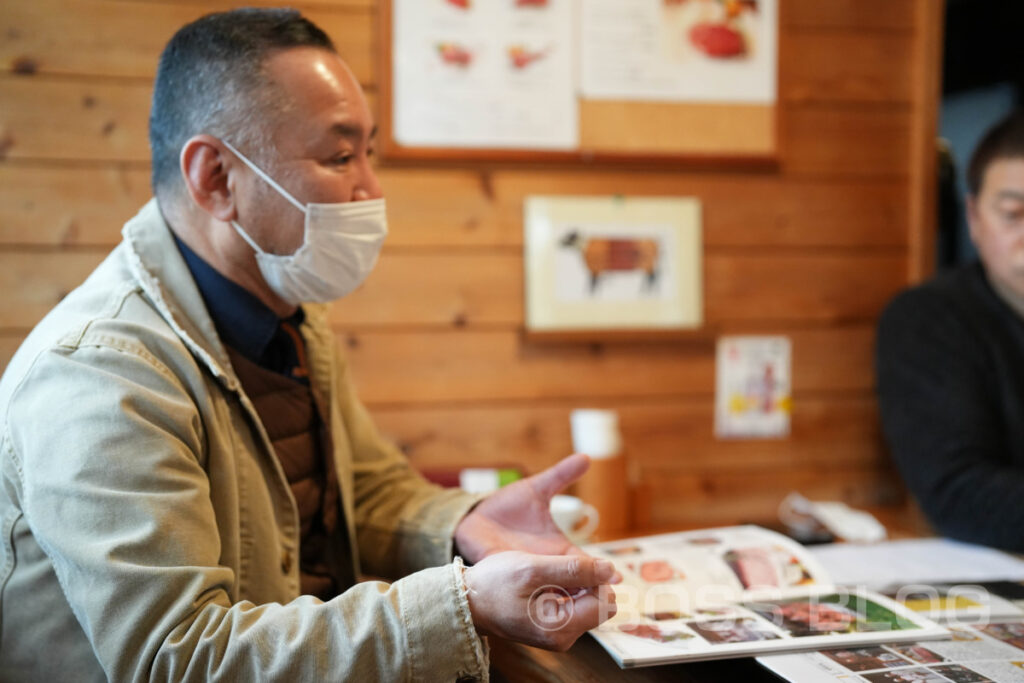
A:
(609, 254)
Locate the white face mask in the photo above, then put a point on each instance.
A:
(339, 248)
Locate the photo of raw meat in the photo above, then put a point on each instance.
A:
(732, 631)
(657, 571)
(715, 28)
(521, 57)
(667, 616)
(753, 567)
(454, 54)
(718, 40)
(655, 633)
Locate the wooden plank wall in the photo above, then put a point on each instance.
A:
(812, 249)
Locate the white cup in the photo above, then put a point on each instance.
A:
(576, 519)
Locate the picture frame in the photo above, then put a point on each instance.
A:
(604, 267)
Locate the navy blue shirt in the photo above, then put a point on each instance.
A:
(245, 323)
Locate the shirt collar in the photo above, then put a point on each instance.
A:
(243, 322)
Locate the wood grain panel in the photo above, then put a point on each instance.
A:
(484, 365)
(124, 39)
(694, 128)
(472, 287)
(50, 203)
(817, 66)
(438, 288)
(429, 367)
(924, 145)
(64, 119)
(35, 283)
(60, 205)
(671, 433)
(824, 140)
(848, 14)
(73, 119)
(821, 287)
(665, 498)
(458, 207)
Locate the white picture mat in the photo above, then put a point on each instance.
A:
(553, 273)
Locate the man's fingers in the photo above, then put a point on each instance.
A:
(558, 476)
(573, 571)
(576, 550)
(591, 610)
(563, 619)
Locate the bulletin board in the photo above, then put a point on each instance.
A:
(568, 80)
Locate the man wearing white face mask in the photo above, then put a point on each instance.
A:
(339, 247)
(190, 488)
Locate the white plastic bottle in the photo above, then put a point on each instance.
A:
(606, 484)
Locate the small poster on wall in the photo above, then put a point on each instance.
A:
(613, 263)
(753, 390)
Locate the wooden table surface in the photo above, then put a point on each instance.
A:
(587, 662)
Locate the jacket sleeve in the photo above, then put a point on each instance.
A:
(107, 444)
(403, 522)
(942, 420)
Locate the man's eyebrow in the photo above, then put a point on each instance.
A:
(1010, 194)
(351, 130)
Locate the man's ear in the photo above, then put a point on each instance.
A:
(205, 173)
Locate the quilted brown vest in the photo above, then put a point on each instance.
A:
(293, 422)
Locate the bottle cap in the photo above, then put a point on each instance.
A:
(596, 432)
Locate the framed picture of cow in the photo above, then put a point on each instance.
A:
(612, 265)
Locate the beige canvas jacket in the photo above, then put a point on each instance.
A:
(147, 531)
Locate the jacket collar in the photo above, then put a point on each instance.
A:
(158, 266)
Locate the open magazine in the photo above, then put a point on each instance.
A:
(737, 592)
(987, 644)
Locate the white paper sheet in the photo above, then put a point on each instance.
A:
(478, 73)
(923, 560)
(648, 49)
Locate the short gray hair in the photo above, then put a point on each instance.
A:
(211, 79)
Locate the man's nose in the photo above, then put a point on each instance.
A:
(368, 187)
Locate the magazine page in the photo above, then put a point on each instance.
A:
(947, 602)
(921, 560)
(989, 652)
(711, 566)
(735, 592)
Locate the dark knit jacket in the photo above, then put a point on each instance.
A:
(950, 365)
